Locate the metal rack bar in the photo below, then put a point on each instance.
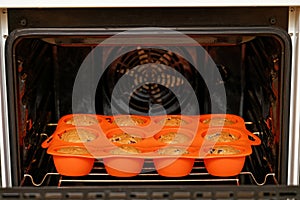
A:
(212, 179)
(254, 179)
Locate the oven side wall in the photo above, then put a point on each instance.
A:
(294, 140)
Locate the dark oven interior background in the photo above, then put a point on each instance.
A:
(43, 64)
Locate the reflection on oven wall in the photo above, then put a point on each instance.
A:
(44, 95)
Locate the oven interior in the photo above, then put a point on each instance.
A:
(252, 65)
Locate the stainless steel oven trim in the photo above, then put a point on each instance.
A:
(133, 3)
(4, 136)
(294, 139)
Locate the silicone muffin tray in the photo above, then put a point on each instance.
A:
(100, 139)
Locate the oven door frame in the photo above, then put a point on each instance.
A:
(6, 179)
(293, 159)
(294, 124)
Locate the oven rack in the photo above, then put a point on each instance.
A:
(148, 175)
(99, 176)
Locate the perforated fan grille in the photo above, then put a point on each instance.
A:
(157, 81)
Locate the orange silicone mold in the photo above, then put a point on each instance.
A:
(174, 161)
(121, 166)
(174, 167)
(151, 142)
(68, 163)
(123, 161)
(223, 164)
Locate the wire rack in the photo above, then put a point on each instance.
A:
(99, 176)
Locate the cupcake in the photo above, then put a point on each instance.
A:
(172, 121)
(77, 135)
(125, 138)
(218, 121)
(172, 151)
(173, 138)
(222, 136)
(127, 121)
(73, 150)
(123, 150)
(82, 120)
(224, 150)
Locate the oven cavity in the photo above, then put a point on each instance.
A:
(148, 80)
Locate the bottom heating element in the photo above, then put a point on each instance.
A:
(198, 176)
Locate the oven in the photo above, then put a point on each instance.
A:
(150, 62)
